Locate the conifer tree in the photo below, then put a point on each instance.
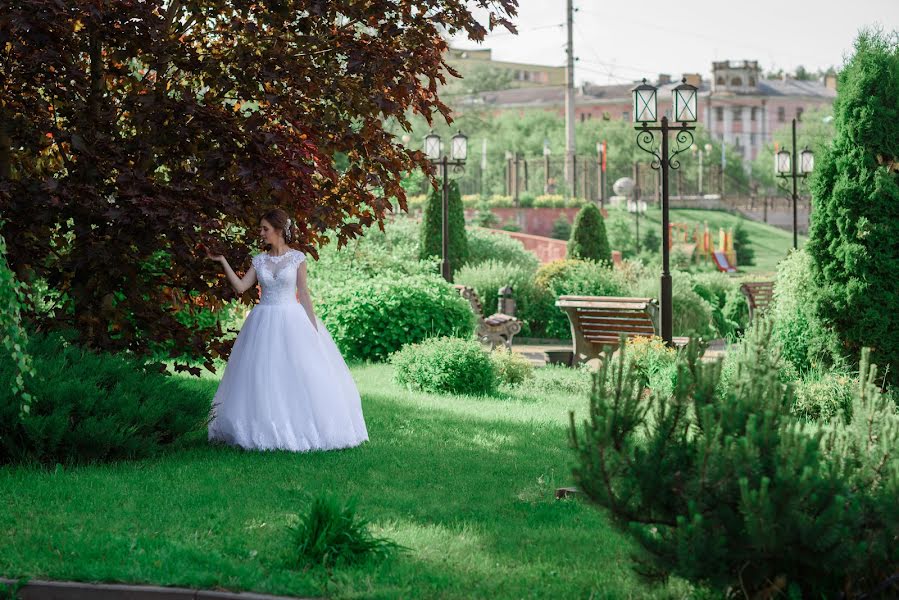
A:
(855, 190)
(588, 236)
(432, 227)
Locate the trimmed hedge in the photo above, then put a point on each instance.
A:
(588, 236)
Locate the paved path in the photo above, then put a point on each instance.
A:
(76, 590)
(537, 353)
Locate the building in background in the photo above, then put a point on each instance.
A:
(738, 105)
(521, 75)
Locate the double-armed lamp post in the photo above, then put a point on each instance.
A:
(785, 164)
(434, 153)
(684, 102)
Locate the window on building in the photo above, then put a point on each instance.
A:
(738, 113)
(781, 114)
(583, 117)
(799, 110)
(753, 112)
(626, 115)
(719, 113)
(752, 81)
(736, 82)
(720, 80)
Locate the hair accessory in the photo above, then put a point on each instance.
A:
(288, 233)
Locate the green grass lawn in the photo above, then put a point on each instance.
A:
(465, 483)
(770, 244)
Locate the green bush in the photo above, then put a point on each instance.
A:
(560, 379)
(653, 363)
(332, 533)
(15, 340)
(561, 228)
(692, 314)
(432, 227)
(488, 277)
(743, 245)
(371, 318)
(731, 491)
(95, 407)
(824, 396)
(566, 277)
(725, 299)
(803, 337)
(511, 367)
(852, 240)
(588, 236)
(486, 245)
(445, 366)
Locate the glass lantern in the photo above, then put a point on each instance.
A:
(806, 161)
(645, 103)
(432, 146)
(782, 162)
(460, 147)
(685, 102)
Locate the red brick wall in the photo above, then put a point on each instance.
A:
(545, 248)
(535, 221)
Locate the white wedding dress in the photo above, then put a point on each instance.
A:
(286, 385)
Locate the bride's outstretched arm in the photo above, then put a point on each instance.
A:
(239, 285)
(303, 294)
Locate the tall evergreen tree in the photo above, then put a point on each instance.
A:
(432, 227)
(588, 236)
(856, 193)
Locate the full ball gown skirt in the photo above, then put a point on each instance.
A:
(286, 385)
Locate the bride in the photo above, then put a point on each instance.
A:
(286, 386)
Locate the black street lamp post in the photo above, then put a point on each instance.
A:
(785, 164)
(684, 100)
(434, 153)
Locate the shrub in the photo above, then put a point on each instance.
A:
(588, 236)
(824, 396)
(487, 277)
(692, 314)
(718, 289)
(731, 492)
(620, 233)
(15, 340)
(432, 227)
(91, 407)
(852, 240)
(511, 367)
(486, 245)
(526, 200)
(653, 362)
(805, 340)
(445, 366)
(561, 277)
(371, 318)
(743, 245)
(561, 228)
(331, 533)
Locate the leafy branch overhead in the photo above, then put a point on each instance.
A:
(132, 133)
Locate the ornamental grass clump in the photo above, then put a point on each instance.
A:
(331, 533)
(445, 365)
(732, 490)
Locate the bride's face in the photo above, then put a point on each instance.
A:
(267, 233)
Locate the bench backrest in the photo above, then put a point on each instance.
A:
(759, 295)
(602, 320)
(469, 294)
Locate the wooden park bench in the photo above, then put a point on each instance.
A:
(497, 328)
(600, 321)
(759, 295)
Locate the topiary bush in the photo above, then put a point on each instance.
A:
(432, 227)
(96, 407)
(445, 365)
(371, 318)
(588, 236)
(743, 245)
(484, 245)
(731, 491)
(855, 189)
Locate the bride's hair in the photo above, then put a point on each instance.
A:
(279, 219)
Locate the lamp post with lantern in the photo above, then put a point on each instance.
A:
(434, 153)
(785, 165)
(684, 100)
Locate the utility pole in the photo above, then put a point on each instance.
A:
(569, 101)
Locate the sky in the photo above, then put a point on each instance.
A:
(619, 42)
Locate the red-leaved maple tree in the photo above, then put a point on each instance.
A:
(133, 133)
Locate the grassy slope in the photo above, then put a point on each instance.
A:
(770, 243)
(466, 483)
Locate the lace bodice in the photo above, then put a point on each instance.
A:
(277, 276)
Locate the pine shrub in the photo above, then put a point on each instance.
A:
(732, 491)
(445, 366)
(743, 245)
(855, 189)
(588, 236)
(371, 318)
(432, 227)
(96, 407)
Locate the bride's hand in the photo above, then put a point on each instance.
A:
(211, 256)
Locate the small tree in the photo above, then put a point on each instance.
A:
(588, 236)
(743, 246)
(561, 228)
(855, 188)
(432, 227)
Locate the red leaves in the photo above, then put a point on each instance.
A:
(189, 127)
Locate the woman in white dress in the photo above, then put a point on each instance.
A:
(286, 385)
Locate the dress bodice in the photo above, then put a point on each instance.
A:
(277, 276)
